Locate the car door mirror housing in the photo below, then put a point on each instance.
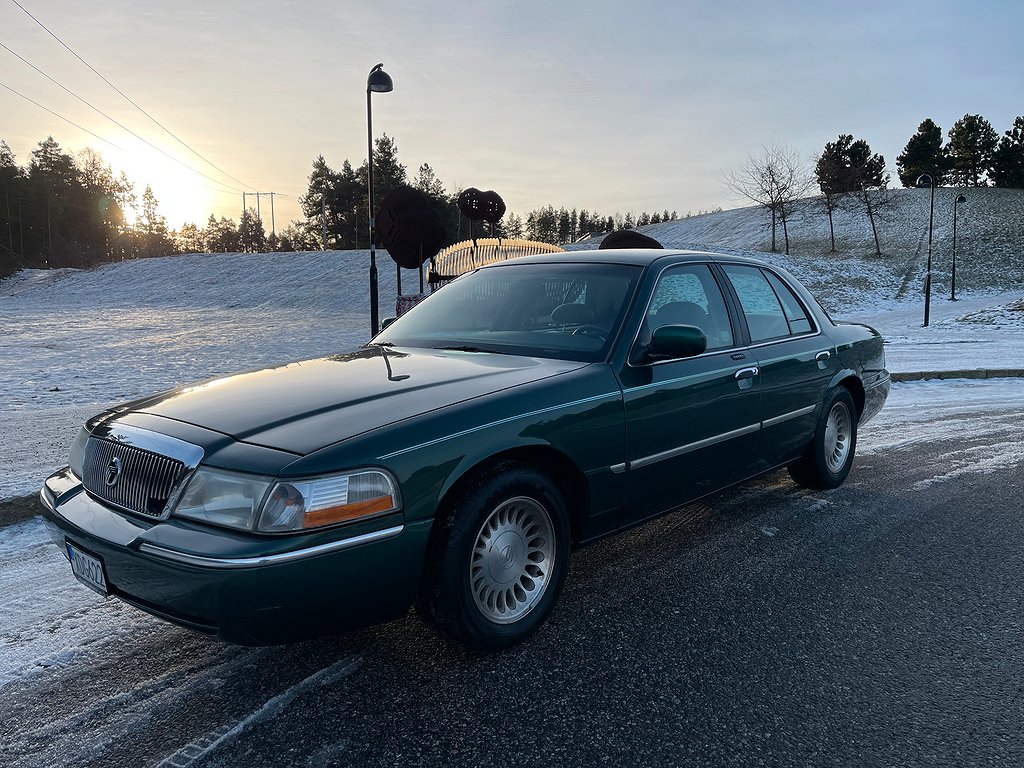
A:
(670, 342)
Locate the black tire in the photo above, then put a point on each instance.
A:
(491, 577)
(829, 457)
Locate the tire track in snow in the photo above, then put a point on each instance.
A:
(210, 742)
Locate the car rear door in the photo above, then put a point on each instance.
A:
(795, 360)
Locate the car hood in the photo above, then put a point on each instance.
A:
(304, 406)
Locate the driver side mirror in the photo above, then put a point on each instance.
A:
(671, 342)
(387, 321)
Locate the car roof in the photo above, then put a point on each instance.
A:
(642, 257)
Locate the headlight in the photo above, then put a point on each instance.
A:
(76, 459)
(296, 505)
(224, 498)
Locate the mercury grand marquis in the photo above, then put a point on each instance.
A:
(455, 460)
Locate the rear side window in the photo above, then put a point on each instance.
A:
(766, 319)
(799, 320)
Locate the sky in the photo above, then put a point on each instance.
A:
(612, 107)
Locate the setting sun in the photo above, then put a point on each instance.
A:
(182, 195)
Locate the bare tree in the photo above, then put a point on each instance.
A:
(774, 180)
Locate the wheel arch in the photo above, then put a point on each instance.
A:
(545, 459)
(851, 381)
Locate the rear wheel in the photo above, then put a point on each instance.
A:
(496, 559)
(829, 457)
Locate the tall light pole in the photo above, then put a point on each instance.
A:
(378, 81)
(952, 291)
(929, 180)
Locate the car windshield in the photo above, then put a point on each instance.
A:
(565, 311)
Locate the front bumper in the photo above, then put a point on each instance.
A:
(243, 588)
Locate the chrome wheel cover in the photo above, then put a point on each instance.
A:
(838, 437)
(513, 560)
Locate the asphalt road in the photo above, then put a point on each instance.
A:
(876, 625)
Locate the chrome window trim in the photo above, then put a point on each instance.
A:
(788, 416)
(258, 562)
(671, 453)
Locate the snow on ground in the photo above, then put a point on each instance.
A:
(49, 619)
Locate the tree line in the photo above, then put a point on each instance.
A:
(60, 210)
(848, 175)
(335, 207)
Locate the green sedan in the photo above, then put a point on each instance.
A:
(453, 462)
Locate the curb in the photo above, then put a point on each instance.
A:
(983, 373)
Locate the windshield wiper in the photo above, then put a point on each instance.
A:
(464, 348)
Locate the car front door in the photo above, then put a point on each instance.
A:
(691, 424)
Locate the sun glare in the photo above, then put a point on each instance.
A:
(182, 196)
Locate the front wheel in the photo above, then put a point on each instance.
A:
(829, 457)
(497, 559)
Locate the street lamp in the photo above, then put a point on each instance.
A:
(926, 179)
(952, 292)
(378, 81)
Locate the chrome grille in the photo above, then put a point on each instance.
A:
(144, 480)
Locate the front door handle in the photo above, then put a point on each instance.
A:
(745, 377)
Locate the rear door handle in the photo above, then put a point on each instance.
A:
(823, 356)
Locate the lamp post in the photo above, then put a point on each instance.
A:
(929, 180)
(378, 81)
(952, 291)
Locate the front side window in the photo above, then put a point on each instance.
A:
(689, 295)
(569, 311)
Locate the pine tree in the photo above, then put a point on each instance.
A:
(154, 226)
(924, 153)
(1008, 158)
(252, 238)
(972, 142)
(11, 189)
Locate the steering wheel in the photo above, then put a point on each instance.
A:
(588, 329)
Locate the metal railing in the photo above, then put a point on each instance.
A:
(462, 257)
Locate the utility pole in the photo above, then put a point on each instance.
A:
(243, 202)
(273, 229)
(258, 205)
(323, 220)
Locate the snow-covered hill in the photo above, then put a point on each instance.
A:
(990, 240)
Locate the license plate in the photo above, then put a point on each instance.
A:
(87, 568)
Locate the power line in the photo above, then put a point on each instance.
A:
(115, 122)
(72, 122)
(97, 136)
(126, 98)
